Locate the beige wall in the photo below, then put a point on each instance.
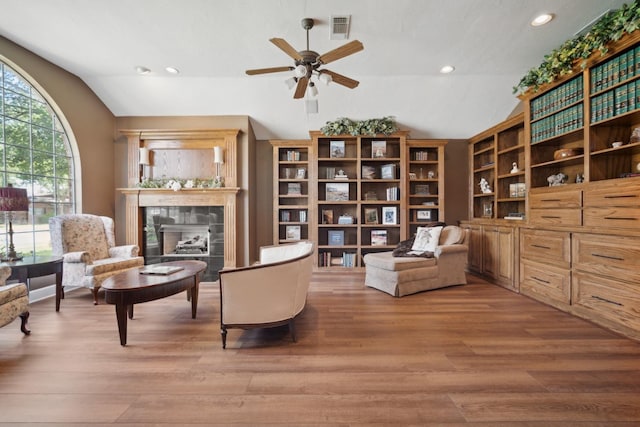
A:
(89, 123)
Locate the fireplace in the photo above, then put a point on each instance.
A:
(174, 233)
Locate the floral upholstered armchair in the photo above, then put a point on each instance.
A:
(87, 245)
(14, 301)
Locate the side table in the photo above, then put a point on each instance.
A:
(37, 266)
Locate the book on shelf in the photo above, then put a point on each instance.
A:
(292, 232)
(337, 149)
(421, 155)
(330, 172)
(335, 237)
(515, 215)
(378, 237)
(294, 189)
(393, 193)
(293, 156)
(378, 149)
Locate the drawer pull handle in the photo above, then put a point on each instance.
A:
(621, 219)
(550, 216)
(540, 246)
(550, 200)
(540, 280)
(607, 300)
(620, 196)
(608, 257)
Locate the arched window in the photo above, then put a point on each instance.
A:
(35, 154)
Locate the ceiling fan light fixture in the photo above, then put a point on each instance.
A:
(300, 71)
(172, 70)
(325, 78)
(291, 82)
(312, 89)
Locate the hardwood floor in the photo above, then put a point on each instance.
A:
(467, 355)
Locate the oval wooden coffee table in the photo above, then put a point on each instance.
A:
(132, 287)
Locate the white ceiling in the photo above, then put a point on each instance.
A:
(213, 42)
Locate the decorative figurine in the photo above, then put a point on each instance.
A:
(557, 179)
(579, 178)
(484, 186)
(514, 168)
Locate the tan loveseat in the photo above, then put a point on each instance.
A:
(399, 276)
(270, 293)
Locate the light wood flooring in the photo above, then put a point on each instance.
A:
(466, 355)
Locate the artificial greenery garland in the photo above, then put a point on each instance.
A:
(561, 61)
(346, 126)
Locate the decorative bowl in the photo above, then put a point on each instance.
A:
(563, 153)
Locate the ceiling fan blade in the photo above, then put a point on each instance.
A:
(301, 88)
(286, 48)
(268, 70)
(344, 50)
(341, 80)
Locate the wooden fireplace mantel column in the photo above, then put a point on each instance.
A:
(139, 198)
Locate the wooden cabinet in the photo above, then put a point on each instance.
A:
(545, 262)
(291, 190)
(474, 254)
(613, 204)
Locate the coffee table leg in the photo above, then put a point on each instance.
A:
(194, 298)
(59, 291)
(121, 315)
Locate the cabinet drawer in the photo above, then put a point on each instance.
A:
(546, 246)
(556, 199)
(611, 256)
(568, 217)
(612, 194)
(546, 281)
(616, 217)
(608, 299)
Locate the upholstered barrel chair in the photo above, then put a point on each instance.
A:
(14, 301)
(87, 245)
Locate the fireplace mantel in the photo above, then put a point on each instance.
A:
(138, 198)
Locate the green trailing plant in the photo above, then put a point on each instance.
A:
(563, 60)
(178, 184)
(346, 126)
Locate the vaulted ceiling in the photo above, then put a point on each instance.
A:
(213, 42)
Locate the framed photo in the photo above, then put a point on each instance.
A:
(336, 149)
(423, 215)
(371, 215)
(327, 216)
(335, 237)
(337, 191)
(389, 215)
(294, 189)
(487, 210)
(388, 171)
(301, 173)
(368, 172)
(378, 237)
(292, 232)
(378, 149)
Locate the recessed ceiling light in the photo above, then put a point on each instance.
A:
(142, 70)
(447, 69)
(542, 19)
(172, 70)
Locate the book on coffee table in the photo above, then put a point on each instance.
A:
(160, 269)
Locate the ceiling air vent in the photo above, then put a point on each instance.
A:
(340, 27)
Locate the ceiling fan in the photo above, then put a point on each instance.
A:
(307, 63)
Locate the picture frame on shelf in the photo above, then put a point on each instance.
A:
(294, 189)
(389, 215)
(388, 171)
(301, 173)
(371, 215)
(336, 149)
(292, 232)
(378, 149)
(378, 237)
(423, 215)
(335, 237)
(487, 210)
(327, 216)
(368, 172)
(337, 191)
